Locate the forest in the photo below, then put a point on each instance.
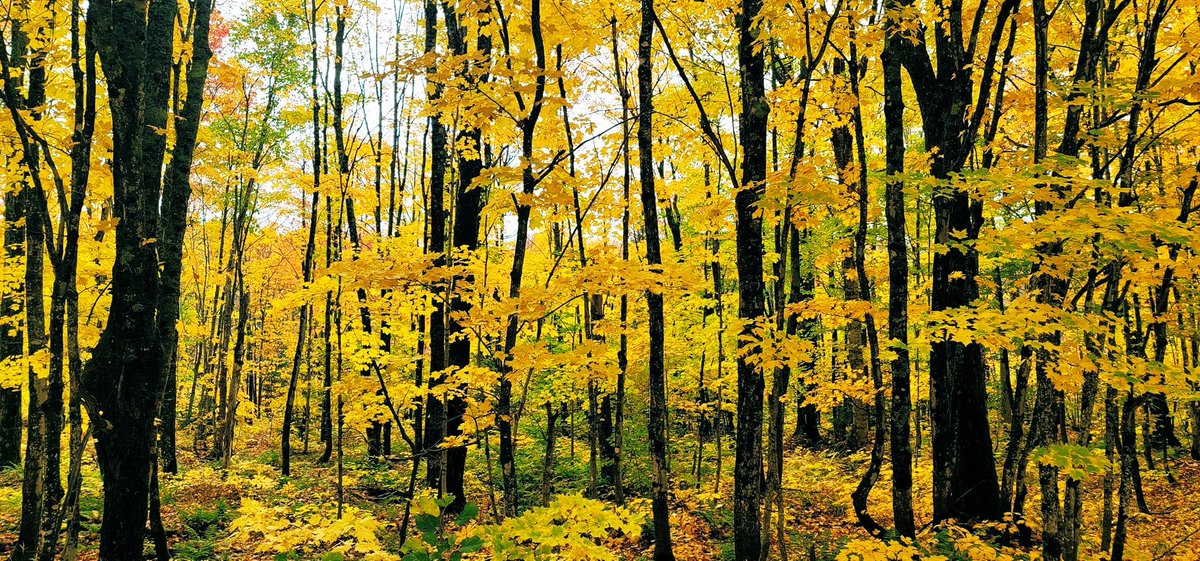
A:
(745, 280)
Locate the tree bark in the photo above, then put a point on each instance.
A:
(897, 245)
(306, 271)
(436, 215)
(552, 415)
(964, 469)
(657, 421)
(468, 199)
(123, 381)
(752, 133)
(613, 408)
(11, 340)
(529, 181)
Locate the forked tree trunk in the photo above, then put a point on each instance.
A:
(136, 58)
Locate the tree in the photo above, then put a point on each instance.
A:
(752, 135)
(897, 246)
(654, 300)
(124, 379)
(965, 485)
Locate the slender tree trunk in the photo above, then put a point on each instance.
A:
(614, 407)
(897, 245)
(64, 314)
(330, 305)
(657, 422)
(11, 340)
(869, 478)
(41, 488)
(1112, 422)
(436, 216)
(468, 199)
(307, 270)
(504, 408)
(552, 414)
(301, 334)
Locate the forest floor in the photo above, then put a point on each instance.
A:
(208, 515)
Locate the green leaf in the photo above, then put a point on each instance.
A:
(470, 511)
(412, 544)
(427, 523)
(472, 544)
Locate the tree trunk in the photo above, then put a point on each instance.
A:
(752, 134)
(136, 58)
(309, 255)
(901, 445)
(964, 468)
(657, 421)
(11, 340)
(552, 414)
(330, 305)
(436, 215)
(301, 335)
(613, 407)
(41, 487)
(529, 181)
(867, 482)
(468, 199)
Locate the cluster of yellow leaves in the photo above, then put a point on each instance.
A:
(964, 544)
(874, 550)
(570, 527)
(308, 529)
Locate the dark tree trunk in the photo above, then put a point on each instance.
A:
(64, 314)
(871, 475)
(176, 192)
(302, 337)
(1128, 471)
(1047, 405)
(436, 214)
(1112, 437)
(964, 469)
(125, 378)
(552, 415)
(41, 488)
(657, 422)
(901, 445)
(612, 412)
(468, 199)
(965, 485)
(320, 165)
(11, 340)
(804, 284)
(529, 181)
(302, 334)
(330, 308)
(752, 133)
